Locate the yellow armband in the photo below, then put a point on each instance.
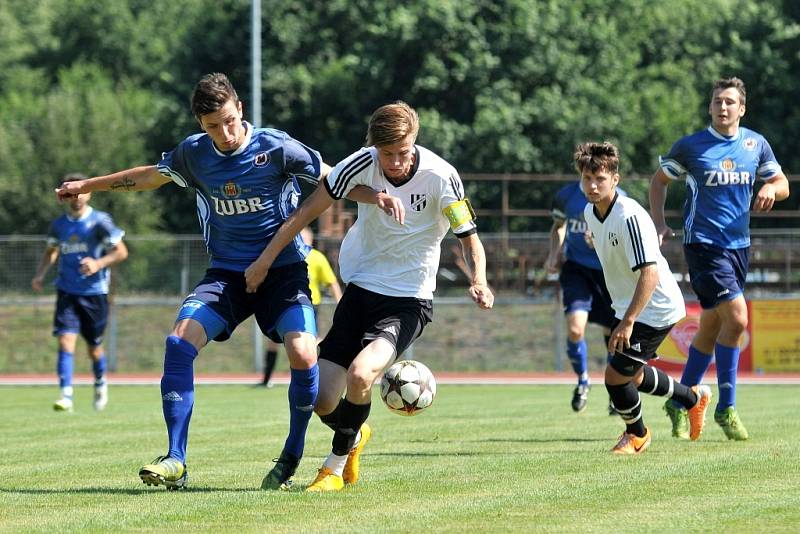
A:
(459, 213)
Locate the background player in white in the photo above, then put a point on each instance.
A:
(647, 301)
(389, 265)
(245, 179)
(720, 165)
(85, 242)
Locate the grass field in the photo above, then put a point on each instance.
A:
(482, 459)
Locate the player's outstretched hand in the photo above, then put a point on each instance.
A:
(68, 190)
(255, 275)
(392, 206)
(664, 232)
(482, 296)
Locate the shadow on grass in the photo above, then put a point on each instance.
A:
(128, 491)
(516, 440)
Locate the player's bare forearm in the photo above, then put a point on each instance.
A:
(390, 205)
(475, 259)
(48, 258)
(658, 196)
(557, 235)
(136, 179)
(773, 191)
(645, 286)
(116, 255)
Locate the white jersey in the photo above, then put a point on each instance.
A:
(625, 241)
(378, 253)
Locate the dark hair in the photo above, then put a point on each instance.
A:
(594, 157)
(391, 123)
(211, 93)
(727, 83)
(73, 177)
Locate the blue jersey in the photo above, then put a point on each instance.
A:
(89, 236)
(720, 174)
(243, 197)
(568, 206)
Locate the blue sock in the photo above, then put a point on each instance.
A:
(177, 393)
(696, 366)
(99, 369)
(727, 364)
(64, 368)
(303, 390)
(576, 352)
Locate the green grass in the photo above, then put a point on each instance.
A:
(482, 459)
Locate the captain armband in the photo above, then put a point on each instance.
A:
(461, 216)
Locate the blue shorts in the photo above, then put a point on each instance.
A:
(83, 314)
(282, 303)
(584, 289)
(716, 274)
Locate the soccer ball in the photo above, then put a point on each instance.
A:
(408, 387)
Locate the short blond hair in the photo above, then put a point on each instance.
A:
(392, 123)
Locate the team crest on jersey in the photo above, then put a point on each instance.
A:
(261, 159)
(612, 238)
(231, 190)
(418, 201)
(727, 165)
(750, 144)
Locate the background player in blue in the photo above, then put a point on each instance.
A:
(720, 165)
(245, 179)
(583, 288)
(86, 243)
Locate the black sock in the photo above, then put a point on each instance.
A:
(331, 420)
(351, 417)
(269, 364)
(629, 406)
(657, 382)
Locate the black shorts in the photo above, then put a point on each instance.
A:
(584, 289)
(644, 341)
(716, 274)
(84, 314)
(363, 316)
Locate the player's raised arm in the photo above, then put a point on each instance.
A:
(658, 197)
(136, 179)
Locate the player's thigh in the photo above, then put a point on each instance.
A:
(93, 313)
(644, 342)
(301, 349)
(217, 304)
(716, 275)
(370, 363)
(191, 331)
(576, 324)
(65, 316)
(332, 384)
(282, 304)
(576, 291)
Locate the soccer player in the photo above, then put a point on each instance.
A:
(85, 242)
(720, 165)
(389, 264)
(245, 179)
(583, 289)
(646, 299)
(320, 275)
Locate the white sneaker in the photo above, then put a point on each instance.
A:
(64, 404)
(100, 397)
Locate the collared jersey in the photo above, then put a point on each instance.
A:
(244, 196)
(625, 241)
(568, 205)
(320, 274)
(88, 236)
(378, 253)
(720, 174)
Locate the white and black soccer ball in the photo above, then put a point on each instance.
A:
(408, 387)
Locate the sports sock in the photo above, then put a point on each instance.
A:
(657, 382)
(270, 357)
(64, 369)
(336, 463)
(727, 364)
(99, 370)
(351, 417)
(331, 420)
(576, 352)
(629, 406)
(303, 390)
(696, 366)
(177, 393)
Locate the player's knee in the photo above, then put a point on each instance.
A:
(360, 378)
(575, 334)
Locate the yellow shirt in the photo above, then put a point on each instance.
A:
(320, 273)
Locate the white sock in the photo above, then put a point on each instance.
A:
(66, 392)
(335, 463)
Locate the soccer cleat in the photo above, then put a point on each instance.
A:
(326, 481)
(632, 444)
(350, 474)
(64, 404)
(280, 476)
(697, 413)
(679, 418)
(165, 471)
(579, 396)
(100, 396)
(729, 420)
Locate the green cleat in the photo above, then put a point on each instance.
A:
(280, 476)
(679, 418)
(165, 471)
(729, 420)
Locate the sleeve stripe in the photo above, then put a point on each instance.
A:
(671, 168)
(636, 240)
(351, 169)
(173, 175)
(458, 186)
